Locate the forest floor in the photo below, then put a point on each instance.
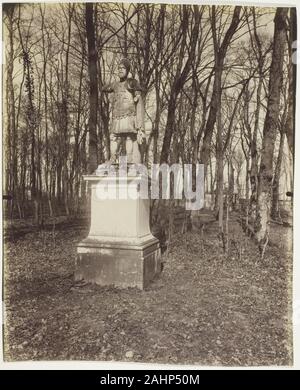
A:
(205, 308)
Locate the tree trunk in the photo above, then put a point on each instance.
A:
(275, 211)
(230, 202)
(220, 168)
(253, 152)
(292, 67)
(93, 82)
(270, 129)
(253, 138)
(10, 107)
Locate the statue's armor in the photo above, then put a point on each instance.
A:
(123, 109)
(127, 122)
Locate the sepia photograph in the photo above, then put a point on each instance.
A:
(147, 183)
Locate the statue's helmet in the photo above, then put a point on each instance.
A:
(126, 63)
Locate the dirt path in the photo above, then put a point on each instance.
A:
(204, 309)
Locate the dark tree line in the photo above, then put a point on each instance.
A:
(218, 83)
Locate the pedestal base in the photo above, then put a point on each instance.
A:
(122, 264)
(120, 249)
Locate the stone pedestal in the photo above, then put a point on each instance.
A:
(120, 249)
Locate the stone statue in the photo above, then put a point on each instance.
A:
(127, 126)
(120, 249)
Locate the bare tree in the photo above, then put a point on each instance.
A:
(220, 50)
(270, 130)
(93, 81)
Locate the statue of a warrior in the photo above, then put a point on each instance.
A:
(127, 129)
